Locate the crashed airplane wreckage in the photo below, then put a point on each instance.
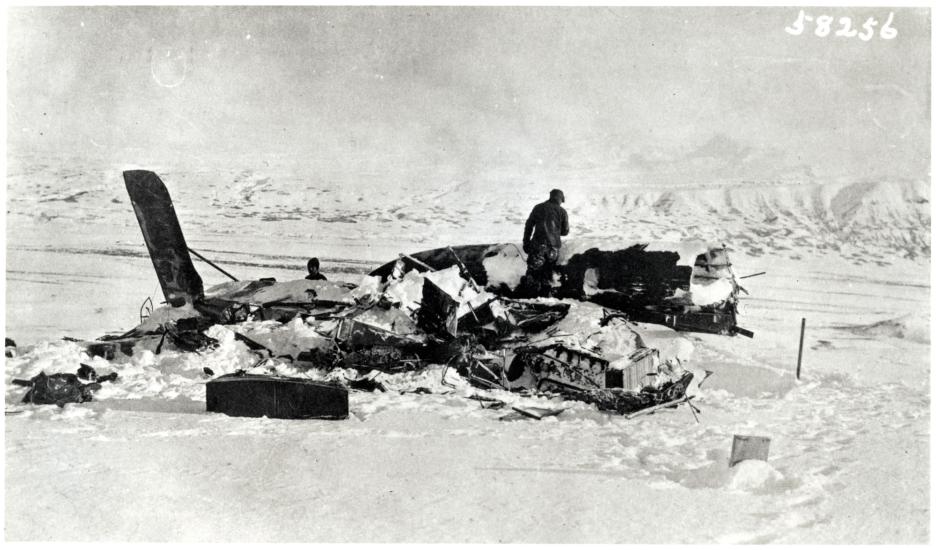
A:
(688, 287)
(460, 307)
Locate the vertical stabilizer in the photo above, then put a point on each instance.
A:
(156, 215)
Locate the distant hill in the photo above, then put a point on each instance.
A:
(294, 209)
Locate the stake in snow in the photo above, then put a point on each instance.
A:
(461, 307)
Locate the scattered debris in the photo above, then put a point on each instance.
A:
(61, 388)
(666, 405)
(488, 402)
(112, 377)
(368, 384)
(422, 390)
(649, 398)
(87, 372)
(536, 413)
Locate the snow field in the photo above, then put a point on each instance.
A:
(849, 447)
(816, 427)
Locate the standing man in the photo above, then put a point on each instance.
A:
(541, 241)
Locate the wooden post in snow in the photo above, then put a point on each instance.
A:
(799, 358)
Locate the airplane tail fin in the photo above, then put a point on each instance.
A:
(180, 282)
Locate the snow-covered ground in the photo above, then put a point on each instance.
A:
(849, 453)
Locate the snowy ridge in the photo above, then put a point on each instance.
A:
(855, 220)
(861, 222)
(913, 326)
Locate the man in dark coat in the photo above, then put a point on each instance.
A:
(313, 267)
(541, 241)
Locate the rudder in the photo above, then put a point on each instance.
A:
(152, 204)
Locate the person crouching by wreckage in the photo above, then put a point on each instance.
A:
(541, 241)
(313, 267)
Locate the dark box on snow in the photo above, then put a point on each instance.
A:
(258, 395)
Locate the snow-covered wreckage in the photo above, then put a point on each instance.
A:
(459, 309)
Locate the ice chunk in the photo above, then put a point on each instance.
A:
(406, 291)
(712, 292)
(166, 314)
(506, 267)
(754, 475)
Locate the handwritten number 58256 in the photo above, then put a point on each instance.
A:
(824, 27)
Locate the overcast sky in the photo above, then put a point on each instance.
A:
(662, 92)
